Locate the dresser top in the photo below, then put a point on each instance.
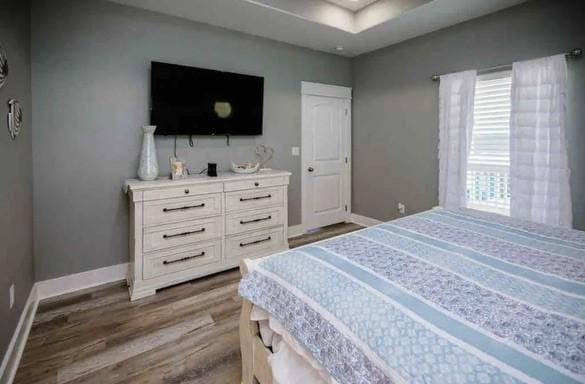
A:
(138, 185)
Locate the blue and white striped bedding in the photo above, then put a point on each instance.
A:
(445, 296)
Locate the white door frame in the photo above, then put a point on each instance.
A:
(326, 90)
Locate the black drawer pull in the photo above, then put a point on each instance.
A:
(255, 220)
(184, 233)
(256, 184)
(256, 242)
(184, 208)
(182, 259)
(255, 198)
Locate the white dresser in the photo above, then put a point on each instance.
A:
(183, 229)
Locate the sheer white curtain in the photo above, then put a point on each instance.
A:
(539, 171)
(456, 94)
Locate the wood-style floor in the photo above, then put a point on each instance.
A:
(184, 334)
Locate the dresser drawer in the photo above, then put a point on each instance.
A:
(254, 183)
(253, 220)
(183, 191)
(251, 199)
(181, 209)
(170, 261)
(261, 243)
(173, 235)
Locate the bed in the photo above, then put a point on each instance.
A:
(444, 296)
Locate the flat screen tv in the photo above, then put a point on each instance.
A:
(197, 101)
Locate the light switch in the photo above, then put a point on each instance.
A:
(296, 151)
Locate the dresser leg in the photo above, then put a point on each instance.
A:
(139, 293)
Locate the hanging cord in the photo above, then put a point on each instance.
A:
(175, 148)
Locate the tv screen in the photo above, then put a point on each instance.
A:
(196, 101)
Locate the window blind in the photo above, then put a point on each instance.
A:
(488, 171)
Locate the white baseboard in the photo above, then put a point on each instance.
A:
(363, 220)
(14, 351)
(296, 230)
(43, 290)
(82, 280)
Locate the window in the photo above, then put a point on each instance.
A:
(488, 168)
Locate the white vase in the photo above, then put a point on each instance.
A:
(148, 168)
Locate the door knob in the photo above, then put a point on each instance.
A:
(310, 169)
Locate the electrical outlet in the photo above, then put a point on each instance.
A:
(402, 208)
(295, 151)
(11, 296)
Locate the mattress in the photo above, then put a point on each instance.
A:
(445, 296)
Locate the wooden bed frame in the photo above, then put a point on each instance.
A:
(255, 367)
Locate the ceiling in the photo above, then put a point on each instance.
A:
(359, 26)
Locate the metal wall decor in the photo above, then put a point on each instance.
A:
(3, 67)
(14, 118)
(264, 153)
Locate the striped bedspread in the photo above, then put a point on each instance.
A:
(445, 296)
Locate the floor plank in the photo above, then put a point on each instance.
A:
(136, 346)
(323, 233)
(187, 333)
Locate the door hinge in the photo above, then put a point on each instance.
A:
(346, 160)
(346, 208)
(345, 111)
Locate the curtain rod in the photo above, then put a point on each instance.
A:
(573, 53)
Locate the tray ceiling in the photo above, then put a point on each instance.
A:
(358, 26)
(353, 5)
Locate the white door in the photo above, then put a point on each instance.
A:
(325, 154)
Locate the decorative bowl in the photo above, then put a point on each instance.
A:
(245, 167)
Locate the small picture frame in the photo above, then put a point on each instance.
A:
(178, 168)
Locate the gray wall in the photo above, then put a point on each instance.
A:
(90, 85)
(90, 65)
(395, 114)
(16, 261)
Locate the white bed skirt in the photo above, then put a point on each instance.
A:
(290, 362)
